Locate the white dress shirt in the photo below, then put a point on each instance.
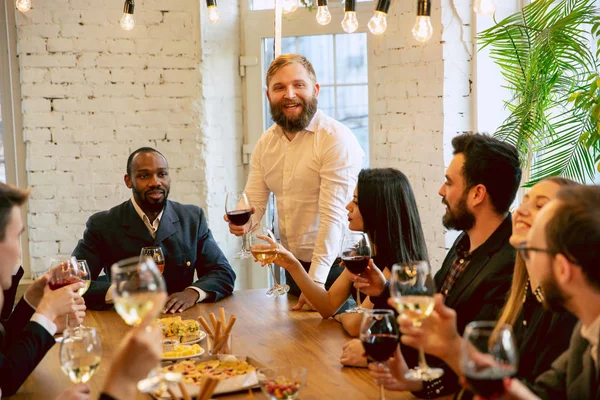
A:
(41, 319)
(591, 334)
(313, 177)
(153, 227)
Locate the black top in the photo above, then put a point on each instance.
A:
(542, 336)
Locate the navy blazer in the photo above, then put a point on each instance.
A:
(183, 235)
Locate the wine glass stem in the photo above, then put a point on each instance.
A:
(422, 361)
(245, 243)
(381, 392)
(358, 303)
(275, 283)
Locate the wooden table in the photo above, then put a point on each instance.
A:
(266, 330)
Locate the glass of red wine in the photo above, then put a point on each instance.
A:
(66, 272)
(239, 212)
(356, 253)
(489, 354)
(379, 336)
(155, 253)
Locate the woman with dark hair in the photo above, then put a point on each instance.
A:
(384, 207)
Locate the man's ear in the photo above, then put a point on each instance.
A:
(564, 270)
(477, 194)
(268, 96)
(127, 180)
(317, 89)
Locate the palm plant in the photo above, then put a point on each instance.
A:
(545, 57)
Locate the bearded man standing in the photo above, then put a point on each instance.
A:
(311, 163)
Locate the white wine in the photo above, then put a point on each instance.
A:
(84, 289)
(264, 253)
(415, 308)
(81, 369)
(133, 308)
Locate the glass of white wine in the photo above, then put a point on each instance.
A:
(412, 289)
(137, 285)
(266, 253)
(80, 353)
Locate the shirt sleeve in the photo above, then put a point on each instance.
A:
(342, 159)
(256, 188)
(45, 323)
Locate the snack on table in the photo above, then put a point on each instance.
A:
(174, 328)
(193, 373)
(184, 350)
(282, 388)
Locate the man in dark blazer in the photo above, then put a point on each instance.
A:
(563, 251)
(150, 219)
(480, 184)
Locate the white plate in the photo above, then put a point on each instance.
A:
(201, 338)
(202, 351)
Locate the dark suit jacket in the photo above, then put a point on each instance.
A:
(573, 375)
(480, 292)
(183, 235)
(10, 294)
(24, 345)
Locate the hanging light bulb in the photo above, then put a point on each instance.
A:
(350, 23)
(127, 22)
(323, 15)
(422, 31)
(23, 5)
(484, 7)
(378, 22)
(289, 6)
(213, 11)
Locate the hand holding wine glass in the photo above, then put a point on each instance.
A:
(264, 249)
(379, 336)
(155, 253)
(239, 212)
(412, 289)
(356, 254)
(488, 355)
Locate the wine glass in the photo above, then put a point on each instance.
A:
(137, 286)
(155, 253)
(266, 253)
(488, 355)
(356, 253)
(412, 288)
(239, 212)
(66, 272)
(379, 336)
(80, 353)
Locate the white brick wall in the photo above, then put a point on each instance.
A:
(92, 93)
(414, 94)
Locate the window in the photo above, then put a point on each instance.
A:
(340, 62)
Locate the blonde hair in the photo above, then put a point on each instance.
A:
(518, 289)
(289, 59)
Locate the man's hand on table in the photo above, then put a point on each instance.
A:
(181, 301)
(80, 391)
(353, 354)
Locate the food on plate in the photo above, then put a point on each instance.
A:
(184, 350)
(193, 373)
(184, 331)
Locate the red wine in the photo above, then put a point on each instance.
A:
(63, 282)
(239, 217)
(488, 382)
(356, 264)
(161, 267)
(380, 347)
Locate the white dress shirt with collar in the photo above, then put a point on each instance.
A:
(313, 177)
(152, 228)
(591, 334)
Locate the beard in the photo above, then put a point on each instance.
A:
(554, 299)
(460, 219)
(297, 124)
(150, 205)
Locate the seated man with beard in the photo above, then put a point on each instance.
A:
(149, 219)
(311, 163)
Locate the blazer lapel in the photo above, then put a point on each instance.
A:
(168, 224)
(133, 224)
(476, 265)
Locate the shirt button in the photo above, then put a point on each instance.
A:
(461, 261)
(524, 323)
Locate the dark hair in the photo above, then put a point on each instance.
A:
(491, 163)
(390, 215)
(10, 196)
(574, 230)
(141, 150)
